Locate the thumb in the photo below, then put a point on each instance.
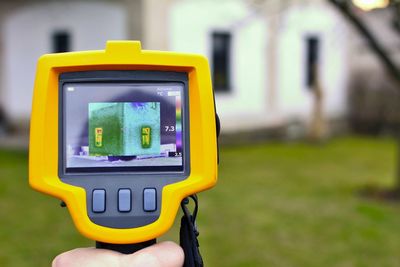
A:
(164, 254)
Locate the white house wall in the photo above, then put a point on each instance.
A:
(27, 35)
(299, 22)
(191, 24)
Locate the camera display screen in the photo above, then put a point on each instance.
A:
(117, 127)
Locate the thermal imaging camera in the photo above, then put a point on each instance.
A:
(122, 136)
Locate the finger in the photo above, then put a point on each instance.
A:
(164, 254)
(88, 257)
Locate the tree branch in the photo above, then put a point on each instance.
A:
(376, 47)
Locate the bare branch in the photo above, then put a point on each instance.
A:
(373, 43)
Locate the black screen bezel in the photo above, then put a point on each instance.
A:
(115, 77)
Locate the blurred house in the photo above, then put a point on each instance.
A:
(32, 28)
(264, 79)
(263, 53)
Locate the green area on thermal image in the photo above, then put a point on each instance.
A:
(127, 129)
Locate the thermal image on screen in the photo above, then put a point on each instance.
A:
(124, 129)
(123, 126)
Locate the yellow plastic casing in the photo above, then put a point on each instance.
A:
(121, 55)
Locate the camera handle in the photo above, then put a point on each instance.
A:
(125, 248)
(188, 238)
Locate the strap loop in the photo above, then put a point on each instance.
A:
(189, 234)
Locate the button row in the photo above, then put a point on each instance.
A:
(124, 200)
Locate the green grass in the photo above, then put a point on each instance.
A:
(274, 205)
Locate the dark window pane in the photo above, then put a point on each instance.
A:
(221, 46)
(312, 60)
(61, 41)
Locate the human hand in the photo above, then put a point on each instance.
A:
(164, 254)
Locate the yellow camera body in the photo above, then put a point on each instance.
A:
(122, 165)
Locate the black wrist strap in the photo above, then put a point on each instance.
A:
(188, 235)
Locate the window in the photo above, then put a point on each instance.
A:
(61, 42)
(312, 60)
(221, 52)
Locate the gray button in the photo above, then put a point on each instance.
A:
(149, 199)
(99, 200)
(124, 200)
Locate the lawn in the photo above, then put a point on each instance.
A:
(275, 205)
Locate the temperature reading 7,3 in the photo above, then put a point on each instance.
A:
(170, 128)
